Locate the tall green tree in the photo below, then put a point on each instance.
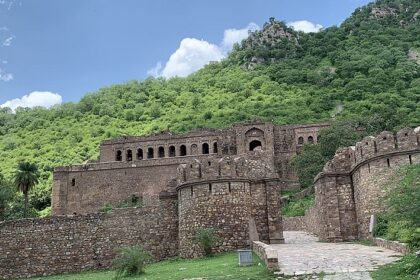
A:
(25, 178)
(5, 196)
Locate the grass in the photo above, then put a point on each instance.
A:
(408, 268)
(221, 266)
(365, 242)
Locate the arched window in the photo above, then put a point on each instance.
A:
(118, 156)
(129, 155)
(310, 139)
(139, 154)
(300, 140)
(150, 153)
(215, 147)
(73, 182)
(254, 144)
(161, 152)
(183, 150)
(205, 148)
(172, 152)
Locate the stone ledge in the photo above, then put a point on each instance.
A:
(391, 245)
(269, 256)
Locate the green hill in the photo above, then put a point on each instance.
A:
(364, 69)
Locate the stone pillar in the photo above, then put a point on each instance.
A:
(59, 192)
(275, 227)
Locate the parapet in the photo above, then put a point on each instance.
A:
(341, 161)
(253, 166)
(385, 143)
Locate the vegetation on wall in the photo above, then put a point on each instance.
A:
(401, 221)
(359, 70)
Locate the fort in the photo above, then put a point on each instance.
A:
(146, 167)
(349, 189)
(229, 180)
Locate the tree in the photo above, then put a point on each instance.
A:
(5, 196)
(25, 178)
(308, 164)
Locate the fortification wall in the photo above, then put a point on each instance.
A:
(377, 159)
(225, 207)
(58, 244)
(351, 185)
(226, 194)
(86, 188)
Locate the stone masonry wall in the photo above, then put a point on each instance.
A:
(224, 206)
(369, 182)
(350, 187)
(58, 244)
(85, 189)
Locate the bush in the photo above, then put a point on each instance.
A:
(106, 208)
(381, 226)
(402, 221)
(403, 196)
(207, 239)
(297, 207)
(406, 268)
(130, 261)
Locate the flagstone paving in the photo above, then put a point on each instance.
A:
(303, 256)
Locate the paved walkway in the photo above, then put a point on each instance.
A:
(302, 255)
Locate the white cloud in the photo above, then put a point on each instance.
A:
(34, 99)
(305, 26)
(4, 76)
(7, 3)
(232, 36)
(192, 54)
(8, 41)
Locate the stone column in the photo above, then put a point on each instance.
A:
(275, 226)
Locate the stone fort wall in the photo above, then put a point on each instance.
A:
(228, 195)
(351, 185)
(147, 166)
(43, 246)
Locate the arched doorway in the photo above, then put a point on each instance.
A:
(254, 144)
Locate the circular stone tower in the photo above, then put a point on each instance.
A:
(218, 193)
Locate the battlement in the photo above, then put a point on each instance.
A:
(346, 159)
(385, 143)
(341, 161)
(253, 165)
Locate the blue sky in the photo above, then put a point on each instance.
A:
(74, 47)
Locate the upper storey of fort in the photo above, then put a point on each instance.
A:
(237, 139)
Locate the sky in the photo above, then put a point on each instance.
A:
(57, 51)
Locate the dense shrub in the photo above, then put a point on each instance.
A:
(297, 207)
(207, 239)
(408, 268)
(130, 261)
(401, 220)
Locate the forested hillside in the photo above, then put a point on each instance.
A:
(367, 69)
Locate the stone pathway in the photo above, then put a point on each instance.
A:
(302, 257)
